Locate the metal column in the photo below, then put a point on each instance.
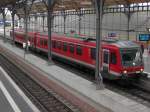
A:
(49, 22)
(13, 19)
(79, 21)
(26, 28)
(35, 23)
(43, 22)
(19, 21)
(29, 20)
(4, 22)
(99, 13)
(64, 22)
(128, 27)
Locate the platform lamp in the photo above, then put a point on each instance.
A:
(148, 30)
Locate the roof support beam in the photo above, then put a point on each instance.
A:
(13, 19)
(99, 4)
(2, 10)
(4, 24)
(43, 18)
(26, 10)
(128, 22)
(13, 12)
(49, 20)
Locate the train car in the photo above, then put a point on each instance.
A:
(119, 59)
(20, 36)
(122, 59)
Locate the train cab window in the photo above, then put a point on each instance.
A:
(71, 46)
(113, 58)
(106, 57)
(79, 50)
(54, 44)
(45, 42)
(58, 45)
(93, 53)
(64, 46)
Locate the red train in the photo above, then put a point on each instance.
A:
(120, 59)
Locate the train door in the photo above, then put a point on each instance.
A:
(105, 62)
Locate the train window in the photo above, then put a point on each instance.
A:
(45, 42)
(54, 44)
(29, 38)
(93, 53)
(79, 50)
(71, 48)
(58, 45)
(41, 42)
(64, 46)
(105, 57)
(113, 58)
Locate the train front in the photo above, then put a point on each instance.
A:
(132, 61)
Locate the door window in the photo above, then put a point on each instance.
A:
(45, 42)
(41, 42)
(106, 57)
(79, 50)
(93, 53)
(64, 46)
(113, 58)
(59, 45)
(71, 48)
(54, 44)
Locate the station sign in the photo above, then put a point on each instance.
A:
(144, 37)
(112, 34)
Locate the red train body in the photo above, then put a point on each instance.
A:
(120, 59)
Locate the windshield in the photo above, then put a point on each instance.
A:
(131, 57)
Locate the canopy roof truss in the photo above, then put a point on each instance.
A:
(40, 6)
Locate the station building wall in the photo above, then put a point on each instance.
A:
(112, 23)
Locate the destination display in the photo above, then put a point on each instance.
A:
(144, 37)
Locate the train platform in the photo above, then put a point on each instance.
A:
(102, 100)
(12, 97)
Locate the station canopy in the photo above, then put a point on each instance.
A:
(40, 6)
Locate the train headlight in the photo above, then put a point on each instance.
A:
(125, 72)
(141, 70)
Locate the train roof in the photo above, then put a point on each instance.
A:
(122, 43)
(127, 44)
(92, 41)
(87, 40)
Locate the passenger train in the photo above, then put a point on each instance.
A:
(119, 59)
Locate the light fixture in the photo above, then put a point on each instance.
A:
(125, 72)
(85, 3)
(141, 69)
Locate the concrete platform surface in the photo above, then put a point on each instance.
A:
(83, 87)
(12, 99)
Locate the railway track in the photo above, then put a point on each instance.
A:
(46, 101)
(131, 91)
